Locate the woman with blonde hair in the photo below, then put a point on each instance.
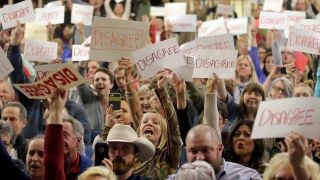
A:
(294, 164)
(97, 173)
(161, 127)
(245, 73)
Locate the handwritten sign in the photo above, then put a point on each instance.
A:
(223, 42)
(66, 77)
(112, 39)
(173, 9)
(221, 62)
(80, 53)
(237, 26)
(212, 28)
(303, 41)
(183, 23)
(224, 9)
(272, 20)
(272, 5)
(42, 51)
(35, 32)
(53, 15)
(188, 48)
(310, 25)
(53, 4)
(152, 58)
(5, 65)
(294, 17)
(186, 71)
(277, 118)
(156, 11)
(82, 14)
(42, 71)
(22, 12)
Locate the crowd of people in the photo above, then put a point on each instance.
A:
(166, 127)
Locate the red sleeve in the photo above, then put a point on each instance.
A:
(54, 153)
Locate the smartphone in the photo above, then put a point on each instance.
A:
(283, 70)
(115, 100)
(101, 151)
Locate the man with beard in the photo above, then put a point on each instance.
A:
(126, 148)
(204, 143)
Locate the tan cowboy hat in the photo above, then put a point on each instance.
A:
(124, 133)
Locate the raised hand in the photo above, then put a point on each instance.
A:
(212, 83)
(16, 35)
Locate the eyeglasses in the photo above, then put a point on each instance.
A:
(286, 52)
(278, 89)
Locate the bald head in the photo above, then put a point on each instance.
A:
(204, 129)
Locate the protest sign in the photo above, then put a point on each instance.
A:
(35, 32)
(52, 15)
(237, 26)
(310, 25)
(113, 39)
(53, 4)
(224, 9)
(294, 17)
(221, 62)
(11, 14)
(156, 11)
(80, 53)
(212, 28)
(43, 70)
(186, 71)
(183, 23)
(277, 118)
(5, 65)
(272, 20)
(152, 58)
(188, 48)
(64, 77)
(272, 5)
(304, 41)
(42, 51)
(223, 42)
(173, 9)
(82, 14)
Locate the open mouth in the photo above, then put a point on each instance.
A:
(240, 145)
(34, 167)
(148, 132)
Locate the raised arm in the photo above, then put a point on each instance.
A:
(254, 56)
(127, 10)
(54, 142)
(131, 93)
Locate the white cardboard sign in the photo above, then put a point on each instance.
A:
(212, 28)
(186, 71)
(303, 41)
(237, 26)
(224, 9)
(152, 58)
(312, 25)
(223, 42)
(52, 15)
(53, 4)
(42, 51)
(272, 5)
(22, 12)
(5, 65)
(277, 118)
(112, 39)
(188, 48)
(35, 32)
(65, 77)
(80, 53)
(156, 11)
(294, 17)
(221, 62)
(183, 23)
(43, 70)
(82, 14)
(272, 20)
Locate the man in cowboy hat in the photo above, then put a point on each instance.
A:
(126, 148)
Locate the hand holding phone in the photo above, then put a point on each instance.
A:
(115, 100)
(101, 151)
